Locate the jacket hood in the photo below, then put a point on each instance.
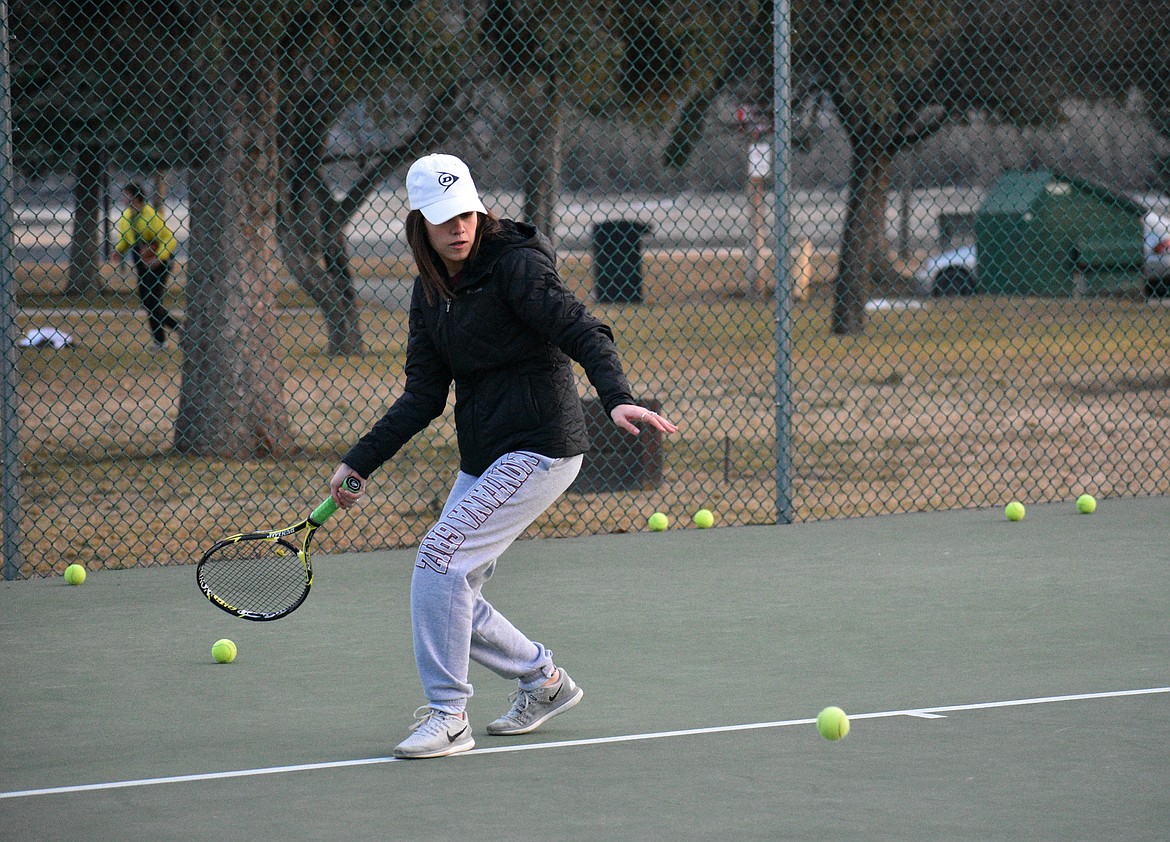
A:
(511, 236)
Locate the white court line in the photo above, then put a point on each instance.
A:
(923, 713)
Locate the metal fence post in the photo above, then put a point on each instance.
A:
(783, 249)
(10, 421)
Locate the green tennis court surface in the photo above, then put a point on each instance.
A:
(1005, 681)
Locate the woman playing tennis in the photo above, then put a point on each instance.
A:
(490, 313)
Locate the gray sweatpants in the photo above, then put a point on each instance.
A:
(452, 621)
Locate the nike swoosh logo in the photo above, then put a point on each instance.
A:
(553, 697)
(453, 737)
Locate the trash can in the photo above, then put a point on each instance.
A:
(617, 260)
(618, 461)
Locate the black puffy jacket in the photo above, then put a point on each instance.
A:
(507, 339)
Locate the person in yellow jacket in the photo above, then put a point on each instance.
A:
(143, 233)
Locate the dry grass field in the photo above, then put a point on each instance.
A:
(961, 403)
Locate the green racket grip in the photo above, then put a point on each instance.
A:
(323, 512)
(328, 506)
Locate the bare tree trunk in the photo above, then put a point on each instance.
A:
(863, 240)
(310, 228)
(537, 113)
(317, 256)
(232, 401)
(526, 59)
(84, 278)
(757, 263)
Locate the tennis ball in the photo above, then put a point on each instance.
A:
(224, 651)
(1014, 510)
(704, 518)
(832, 723)
(75, 574)
(658, 522)
(1086, 504)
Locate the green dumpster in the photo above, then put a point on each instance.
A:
(1043, 233)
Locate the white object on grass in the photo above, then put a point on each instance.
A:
(44, 337)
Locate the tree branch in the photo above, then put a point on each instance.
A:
(448, 114)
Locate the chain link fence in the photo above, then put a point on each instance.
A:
(873, 257)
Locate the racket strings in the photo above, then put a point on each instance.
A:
(258, 575)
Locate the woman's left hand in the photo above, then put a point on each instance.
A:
(632, 418)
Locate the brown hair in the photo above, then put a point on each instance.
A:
(431, 268)
(134, 190)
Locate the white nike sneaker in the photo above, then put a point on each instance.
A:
(436, 734)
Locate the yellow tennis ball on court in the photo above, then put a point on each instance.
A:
(704, 518)
(832, 723)
(1086, 504)
(658, 522)
(224, 651)
(1014, 510)
(75, 574)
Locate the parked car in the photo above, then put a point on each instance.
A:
(1157, 264)
(955, 271)
(951, 273)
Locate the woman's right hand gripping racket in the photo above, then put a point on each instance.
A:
(261, 575)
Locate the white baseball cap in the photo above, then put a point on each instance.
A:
(441, 187)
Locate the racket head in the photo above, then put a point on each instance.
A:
(256, 576)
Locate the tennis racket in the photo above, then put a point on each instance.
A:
(262, 575)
